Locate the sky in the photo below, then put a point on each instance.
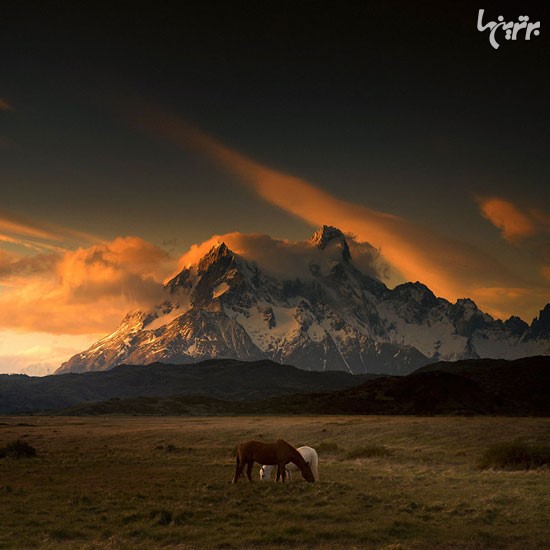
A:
(131, 134)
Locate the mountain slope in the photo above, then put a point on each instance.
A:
(482, 386)
(332, 317)
(224, 379)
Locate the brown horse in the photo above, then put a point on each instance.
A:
(280, 452)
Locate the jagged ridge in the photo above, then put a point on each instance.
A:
(337, 318)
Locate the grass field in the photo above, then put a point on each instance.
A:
(386, 482)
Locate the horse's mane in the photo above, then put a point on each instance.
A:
(297, 458)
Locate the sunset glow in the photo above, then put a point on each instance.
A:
(507, 217)
(451, 268)
(129, 146)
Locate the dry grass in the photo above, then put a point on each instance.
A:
(515, 456)
(135, 482)
(368, 451)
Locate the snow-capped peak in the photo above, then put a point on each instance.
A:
(216, 254)
(332, 316)
(328, 234)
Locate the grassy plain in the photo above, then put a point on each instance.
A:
(164, 482)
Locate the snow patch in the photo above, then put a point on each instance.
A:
(222, 288)
(165, 319)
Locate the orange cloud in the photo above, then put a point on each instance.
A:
(10, 224)
(39, 236)
(452, 269)
(14, 267)
(507, 217)
(24, 243)
(83, 291)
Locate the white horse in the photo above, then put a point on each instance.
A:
(310, 456)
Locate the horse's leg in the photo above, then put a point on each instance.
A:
(283, 472)
(238, 470)
(315, 466)
(249, 469)
(278, 473)
(315, 471)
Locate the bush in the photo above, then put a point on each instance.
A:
(515, 456)
(370, 451)
(18, 449)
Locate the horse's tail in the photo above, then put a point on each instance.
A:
(237, 459)
(237, 466)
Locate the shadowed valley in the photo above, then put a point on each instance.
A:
(483, 386)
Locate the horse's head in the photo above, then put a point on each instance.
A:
(265, 472)
(307, 473)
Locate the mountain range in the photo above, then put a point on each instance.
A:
(215, 379)
(334, 316)
(227, 387)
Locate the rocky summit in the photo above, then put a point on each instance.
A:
(333, 317)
